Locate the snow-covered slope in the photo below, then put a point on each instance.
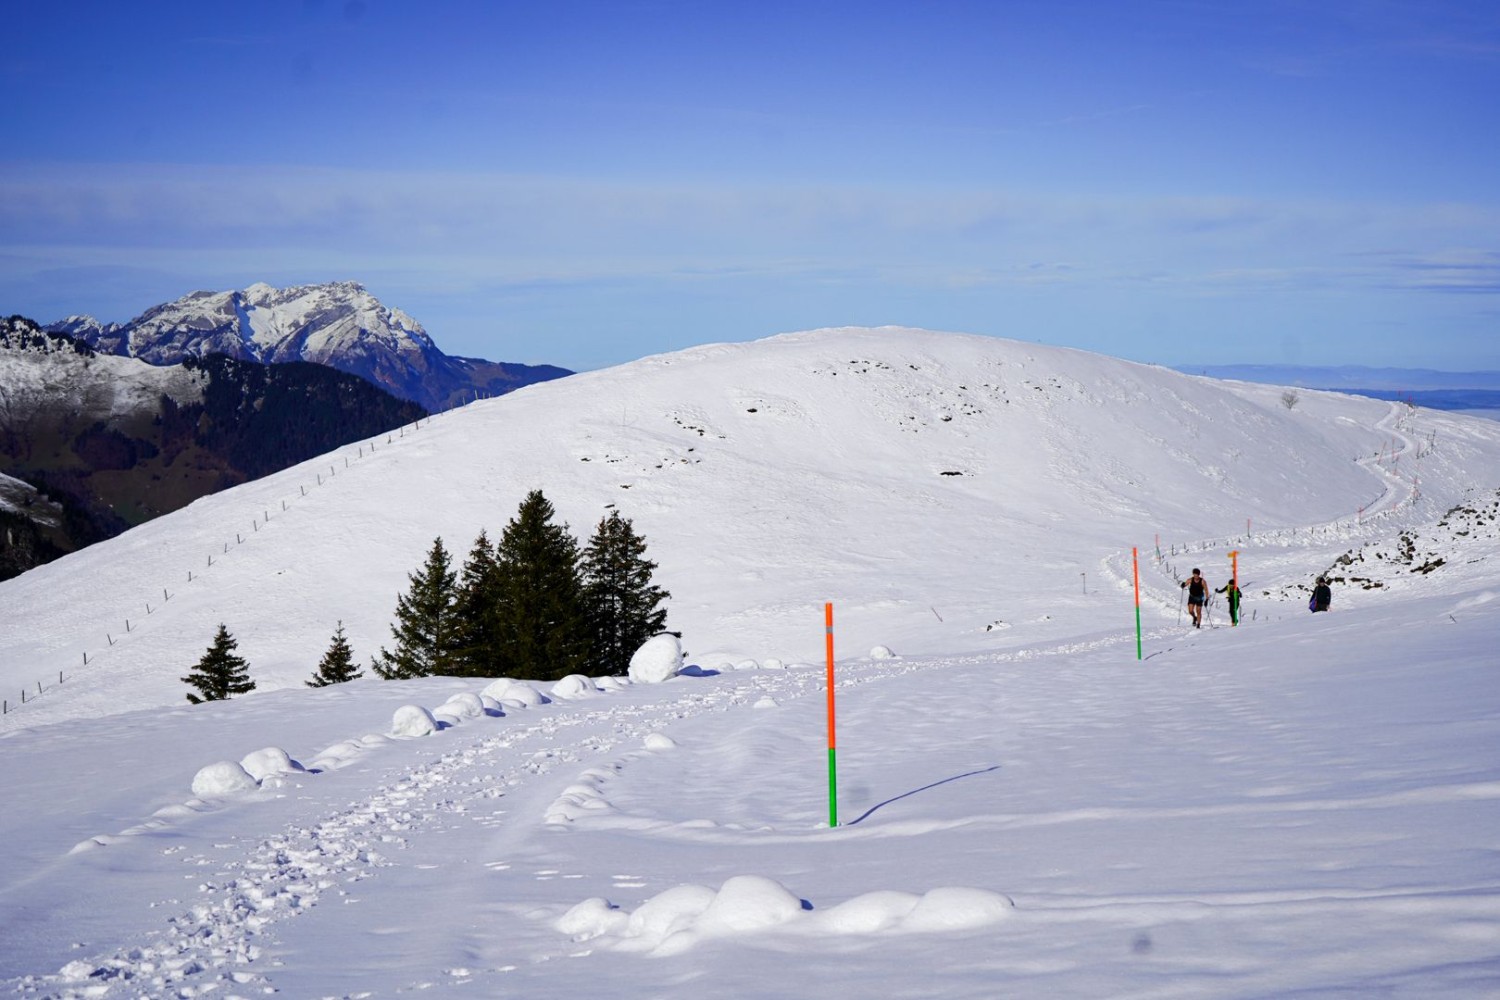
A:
(39, 374)
(1304, 805)
(338, 324)
(948, 493)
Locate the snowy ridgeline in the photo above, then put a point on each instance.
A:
(931, 485)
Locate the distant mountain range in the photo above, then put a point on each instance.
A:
(1437, 390)
(339, 325)
(92, 444)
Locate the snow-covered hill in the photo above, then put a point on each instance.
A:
(339, 324)
(949, 493)
(1302, 805)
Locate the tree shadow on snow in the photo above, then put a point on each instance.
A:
(906, 795)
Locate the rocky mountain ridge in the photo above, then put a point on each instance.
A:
(337, 324)
(93, 443)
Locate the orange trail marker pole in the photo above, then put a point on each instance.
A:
(833, 783)
(1135, 571)
(1234, 582)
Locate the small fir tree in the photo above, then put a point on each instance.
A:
(424, 622)
(337, 665)
(222, 673)
(622, 605)
(540, 628)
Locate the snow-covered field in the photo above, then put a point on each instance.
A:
(1302, 805)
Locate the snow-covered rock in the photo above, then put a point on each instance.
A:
(658, 659)
(413, 720)
(515, 694)
(574, 686)
(272, 760)
(222, 779)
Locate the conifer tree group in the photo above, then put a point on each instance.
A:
(530, 605)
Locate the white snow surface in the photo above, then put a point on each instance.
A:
(1027, 806)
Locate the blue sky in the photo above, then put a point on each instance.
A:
(582, 184)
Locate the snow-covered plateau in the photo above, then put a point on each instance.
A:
(1029, 802)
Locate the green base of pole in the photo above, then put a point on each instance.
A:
(833, 789)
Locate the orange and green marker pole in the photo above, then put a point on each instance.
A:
(1234, 577)
(833, 781)
(1135, 570)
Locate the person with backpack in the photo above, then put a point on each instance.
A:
(1197, 596)
(1322, 596)
(1231, 592)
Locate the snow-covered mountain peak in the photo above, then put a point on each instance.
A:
(339, 324)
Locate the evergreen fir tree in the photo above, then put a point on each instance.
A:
(622, 605)
(424, 622)
(539, 618)
(337, 665)
(475, 635)
(221, 673)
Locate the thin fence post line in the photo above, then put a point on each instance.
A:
(85, 657)
(255, 525)
(148, 607)
(23, 696)
(38, 687)
(110, 638)
(164, 595)
(5, 708)
(190, 576)
(237, 539)
(127, 624)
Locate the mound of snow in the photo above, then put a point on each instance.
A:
(461, 706)
(659, 741)
(956, 908)
(514, 694)
(882, 653)
(223, 779)
(413, 720)
(272, 760)
(574, 686)
(659, 659)
(677, 919)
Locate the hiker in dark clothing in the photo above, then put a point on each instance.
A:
(1197, 596)
(1231, 592)
(1322, 597)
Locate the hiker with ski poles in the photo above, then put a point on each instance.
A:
(1197, 596)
